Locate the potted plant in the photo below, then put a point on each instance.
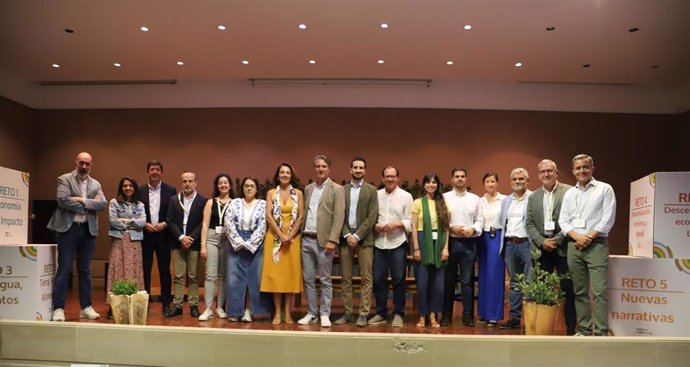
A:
(542, 296)
(129, 305)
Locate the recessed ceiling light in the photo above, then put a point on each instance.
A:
(144, 29)
(246, 62)
(221, 27)
(69, 30)
(312, 62)
(302, 26)
(655, 66)
(380, 61)
(633, 29)
(449, 62)
(550, 28)
(56, 65)
(586, 65)
(180, 63)
(467, 27)
(117, 64)
(518, 64)
(384, 25)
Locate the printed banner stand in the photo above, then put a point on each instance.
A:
(26, 281)
(660, 216)
(649, 297)
(14, 206)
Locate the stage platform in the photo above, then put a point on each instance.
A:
(183, 341)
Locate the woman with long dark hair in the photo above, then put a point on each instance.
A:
(127, 221)
(213, 245)
(430, 221)
(282, 271)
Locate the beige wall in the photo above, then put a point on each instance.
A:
(253, 141)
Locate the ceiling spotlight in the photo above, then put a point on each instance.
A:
(518, 64)
(56, 66)
(655, 66)
(586, 65)
(467, 27)
(449, 62)
(312, 62)
(117, 64)
(245, 62)
(550, 28)
(633, 29)
(180, 63)
(384, 25)
(69, 30)
(144, 29)
(380, 61)
(302, 26)
(221, 27)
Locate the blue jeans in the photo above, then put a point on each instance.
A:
(462, 252)
(429, 281)
(519, 261)
(393, 259)
(79, 242)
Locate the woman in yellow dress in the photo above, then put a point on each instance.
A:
(282, 268)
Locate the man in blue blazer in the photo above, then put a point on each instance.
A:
(515, 244)
(156, 197)
(185, 214)
(75, 221)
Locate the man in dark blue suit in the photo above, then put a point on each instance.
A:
(185, 214)
(156, 196)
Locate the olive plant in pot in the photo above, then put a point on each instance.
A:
(542, 296)
(129, 305)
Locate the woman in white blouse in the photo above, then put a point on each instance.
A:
(491, 266)
(245, 225)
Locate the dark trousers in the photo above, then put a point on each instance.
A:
(394, 260)
(156, 242)
(76, 242)
(462, 253)
(550, 261)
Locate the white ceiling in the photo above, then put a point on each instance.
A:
(647, 71)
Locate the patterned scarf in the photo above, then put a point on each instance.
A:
(279, 219)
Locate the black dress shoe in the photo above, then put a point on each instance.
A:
(110, 313)
(166, 308)
(194, 311)
(445, 320)
(175, 311)
(468, 321)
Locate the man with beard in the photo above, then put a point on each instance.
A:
(516, 244)
(361, 210)
(75, 222)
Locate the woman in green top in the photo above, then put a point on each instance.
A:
(430, 219)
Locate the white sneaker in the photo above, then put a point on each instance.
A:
(247, 317)
(206, 315)
(307, 319)
(89, 313)
(221, 313)
(58, 314)
(325, 321)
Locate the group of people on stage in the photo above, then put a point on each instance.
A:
(261, 252)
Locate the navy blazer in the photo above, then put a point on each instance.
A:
(166, 192)
(175, 218)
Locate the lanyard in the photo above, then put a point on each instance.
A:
(221, 213)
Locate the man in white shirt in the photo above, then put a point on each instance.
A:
(545, 233)
(587, 215)
(466, 225)
(515, 242)
(390, 251)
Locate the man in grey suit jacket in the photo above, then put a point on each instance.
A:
(75, 222)
(323, 223)
(515, 245)
(545, 233)
(361, 212)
